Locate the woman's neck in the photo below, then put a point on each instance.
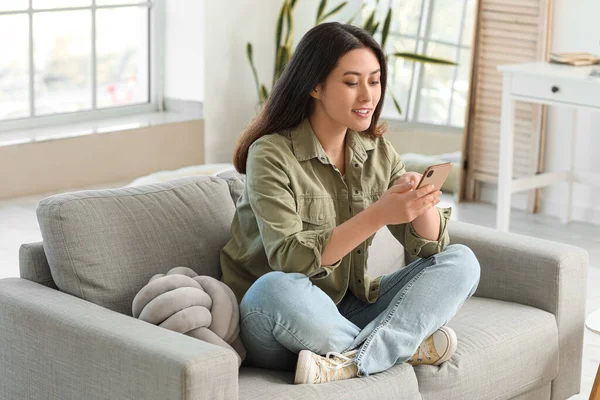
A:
(331, 134)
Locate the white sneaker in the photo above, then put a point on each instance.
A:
(313, 368)
(436, 349)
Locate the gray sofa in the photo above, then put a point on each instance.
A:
(519, 337)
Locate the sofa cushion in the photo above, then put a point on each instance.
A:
(235, 181)
(33, 264)
(397, 383)
(385, 255)
(504, 349)
(105, 245)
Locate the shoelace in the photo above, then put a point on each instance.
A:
(332, 363)
(423, 350)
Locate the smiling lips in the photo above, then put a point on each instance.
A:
(362, 112)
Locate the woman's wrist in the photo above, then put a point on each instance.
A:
(377, 215)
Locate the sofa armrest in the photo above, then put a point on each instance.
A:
(547, 275)
(53, 345)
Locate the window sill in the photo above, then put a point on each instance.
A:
(95, 127)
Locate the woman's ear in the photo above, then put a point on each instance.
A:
(316, 92)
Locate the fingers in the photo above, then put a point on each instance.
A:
(401, 187)
(427, 202)
(418, 193)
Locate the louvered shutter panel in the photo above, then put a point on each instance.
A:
(507, 32)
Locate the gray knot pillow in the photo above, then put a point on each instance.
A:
(198, 306)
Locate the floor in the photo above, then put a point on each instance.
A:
(18, 224)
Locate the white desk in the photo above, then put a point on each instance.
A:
(550, 84)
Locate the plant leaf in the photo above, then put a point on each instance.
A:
(362, 6)
(292, 4)
(279, 28)
(276, 72)
(424, 59)
(396, 104)
(375, 29)
(320, 11)
(335, 10)
(249, 55)
(285, 58)
(369, 22)
(263, 94)
(290, 27)
(386, 28)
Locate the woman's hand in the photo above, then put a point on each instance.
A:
(407, 177)
(401, 204)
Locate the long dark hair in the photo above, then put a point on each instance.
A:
(313, 60)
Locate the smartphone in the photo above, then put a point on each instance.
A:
(435, 175)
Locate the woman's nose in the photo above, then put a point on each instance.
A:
(365, 94)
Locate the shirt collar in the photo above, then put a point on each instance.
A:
(306, 145)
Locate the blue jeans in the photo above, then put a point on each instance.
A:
(284, 313)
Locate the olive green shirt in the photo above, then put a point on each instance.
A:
(293, 199)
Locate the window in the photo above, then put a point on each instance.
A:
(67, 58)
(427, 93)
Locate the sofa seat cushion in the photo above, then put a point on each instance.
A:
(397, 383)
(504, 349)
(105, 245)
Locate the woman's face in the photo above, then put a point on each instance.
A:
(352, 90)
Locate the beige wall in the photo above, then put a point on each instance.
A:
(62, 164)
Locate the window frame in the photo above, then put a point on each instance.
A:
(423, 39)
(156, 38)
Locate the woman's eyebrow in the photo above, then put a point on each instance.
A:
(359, 74)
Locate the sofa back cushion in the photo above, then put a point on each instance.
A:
(105, 245)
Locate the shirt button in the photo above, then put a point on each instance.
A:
(356, 165)
(358, 251)
(356, 192)
(322, 158)
(359, 281)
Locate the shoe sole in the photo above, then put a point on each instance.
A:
(451, 348)
(303, 367)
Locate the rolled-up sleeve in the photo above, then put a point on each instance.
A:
(287, 246)
(414, 244)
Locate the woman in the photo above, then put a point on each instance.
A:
(320, 182)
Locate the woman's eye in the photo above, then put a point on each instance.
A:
(351, 83)
(375, 83)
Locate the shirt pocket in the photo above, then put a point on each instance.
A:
(316, 213)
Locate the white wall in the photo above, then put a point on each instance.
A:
(575, 28)
(231, 98)
(184, 49)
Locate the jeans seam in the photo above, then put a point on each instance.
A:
(391, 286)
(276, 324)
(408, 286)
(363, 306)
